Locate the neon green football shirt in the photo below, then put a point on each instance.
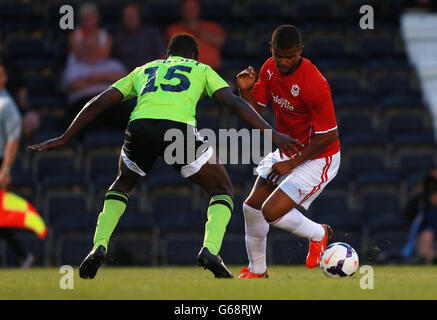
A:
(169, 89)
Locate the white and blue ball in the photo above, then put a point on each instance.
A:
(339, 260)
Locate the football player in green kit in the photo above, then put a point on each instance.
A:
(167, 92)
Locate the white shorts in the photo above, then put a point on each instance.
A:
(305, 182)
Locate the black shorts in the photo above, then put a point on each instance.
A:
(178, 143)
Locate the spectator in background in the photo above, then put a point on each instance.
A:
(422, 210)
(135, 44)
(89, 70)
(10, 131)
(209, 35)
(85, 78)
(89, 31)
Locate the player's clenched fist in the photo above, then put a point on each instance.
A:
(246, 78)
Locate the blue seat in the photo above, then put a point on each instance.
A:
(233, 250)
(415, 160)
(403, 123)
(355, 123)
(102, 168)
(102, 139)
(234, 47)
(366, 161)
(69, 211)
(73, 248)
(133, 250)
(54, 164)
(377, 177)
(380, 46)
(180, 249)
(174, 212)
(326, 47)
(51, 122)
(344, 84)
(423, 139)
(353, 100)
(387, 84)
(134, 217)
(287, 249)
(265, 11)
(164, 12)
(378, 202)
(309, 12)
(217, 11)
(162, 175)
(332, 208)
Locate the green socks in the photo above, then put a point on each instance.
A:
(219, 213)
(113, 208)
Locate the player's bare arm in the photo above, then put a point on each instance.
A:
(245, 81)
(109, 98)
(319, 143)
(245, 112)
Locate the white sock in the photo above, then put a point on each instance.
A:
(256, 238)
(296, 223)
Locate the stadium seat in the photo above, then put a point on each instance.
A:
(403, 123)
(71, 249)
(135, 217)
(217, 11)
(57, 163)
(386, 84)
(69, 211)
(133, 249)
(366, 161)
(415, 160)
(355, 123)
(163, 175)
(174, 212)
(93, 140)
(101, 168)
(325, 47)
(285, 248)
(376, 47)
(344, 84)
(265, 10)
(233, 250)
(332, 208)
(180, 249)
(378, 202)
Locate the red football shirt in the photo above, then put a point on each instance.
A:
(302, 102)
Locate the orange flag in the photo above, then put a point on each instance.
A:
(16, 212)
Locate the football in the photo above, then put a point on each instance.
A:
(339, 260)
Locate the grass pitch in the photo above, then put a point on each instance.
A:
(194, 283)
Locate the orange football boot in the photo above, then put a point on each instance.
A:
(246, 274)
(317, 247)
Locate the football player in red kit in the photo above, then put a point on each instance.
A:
(301, 98)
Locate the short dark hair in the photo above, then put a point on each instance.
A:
(286, 36)
(184, 45)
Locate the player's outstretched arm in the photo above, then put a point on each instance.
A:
(89, 112)
(247, 113)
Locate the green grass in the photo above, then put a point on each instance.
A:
(168, 283)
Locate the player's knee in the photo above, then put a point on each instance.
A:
(125, 184)
(268, 212)
(225, 188)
